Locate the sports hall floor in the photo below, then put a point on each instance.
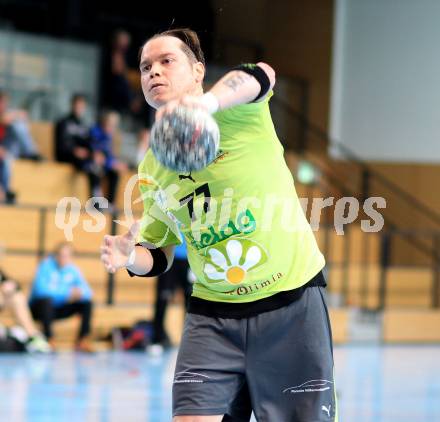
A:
(374, 383)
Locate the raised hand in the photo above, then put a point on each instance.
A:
(186, 101)
(115, 250)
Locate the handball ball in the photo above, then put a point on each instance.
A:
(185, 140)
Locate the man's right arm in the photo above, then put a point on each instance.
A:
(146, 261)
(123, 252)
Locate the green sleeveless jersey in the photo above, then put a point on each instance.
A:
(246, 232)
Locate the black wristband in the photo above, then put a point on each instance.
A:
(259, 74)
(160, 263)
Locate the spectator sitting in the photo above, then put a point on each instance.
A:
(72, 139)
(59, 291)
(15, 141)
(119, 94)
(11, 297)
(72, 135)
(105, 164)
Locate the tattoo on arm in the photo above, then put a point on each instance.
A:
(234, 81)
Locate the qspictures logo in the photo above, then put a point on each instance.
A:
(212, 217)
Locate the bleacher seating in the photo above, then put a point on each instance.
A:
(409, 287)
(43, 135)
(45, 183)
(411, 326)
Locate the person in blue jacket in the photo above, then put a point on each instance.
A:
(59, 290)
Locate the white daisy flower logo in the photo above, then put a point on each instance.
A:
(229, 266)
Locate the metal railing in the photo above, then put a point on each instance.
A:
(365, 181)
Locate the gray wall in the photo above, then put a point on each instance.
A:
(42, 72)
(385, 101)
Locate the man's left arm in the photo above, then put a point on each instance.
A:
(244, 84)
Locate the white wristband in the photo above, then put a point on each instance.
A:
(210, 101)
(131, 258)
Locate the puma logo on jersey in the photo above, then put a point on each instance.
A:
(184, 176)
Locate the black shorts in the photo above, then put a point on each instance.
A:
(281, 361)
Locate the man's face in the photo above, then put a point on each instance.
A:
(64, 256)
(166, 71)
